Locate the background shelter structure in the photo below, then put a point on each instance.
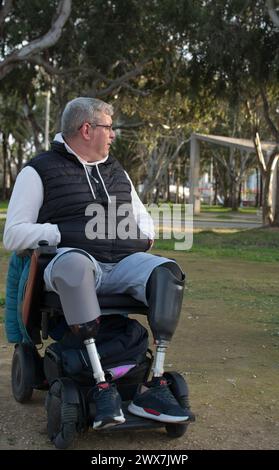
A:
(245, 145)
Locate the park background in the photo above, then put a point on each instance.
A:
(171, 69)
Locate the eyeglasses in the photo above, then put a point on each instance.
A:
(105, 126)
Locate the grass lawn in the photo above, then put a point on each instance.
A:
(221, 209)
(261, 245)
(256, 246)
(3, 206)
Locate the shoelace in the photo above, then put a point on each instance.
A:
(163, 391)
(105, 395)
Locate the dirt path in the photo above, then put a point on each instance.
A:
(226, 345)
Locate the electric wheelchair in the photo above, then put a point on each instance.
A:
(64, 370)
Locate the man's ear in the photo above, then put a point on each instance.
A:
(84, 130)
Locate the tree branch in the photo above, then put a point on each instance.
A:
(127, 126)
(113, 85)
(221, 159)
(135, 91)
(270, 123)
(44, 42)
(52, 70)
(259, 152)
(118, 82)
(5, 9)
(272, 13)
(256, 139)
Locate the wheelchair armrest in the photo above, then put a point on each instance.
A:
(46, 250)
(35, 282)
(24, 253)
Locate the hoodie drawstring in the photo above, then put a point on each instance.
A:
(89, 183)
(98, 171)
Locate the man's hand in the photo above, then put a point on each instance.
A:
(150, 244)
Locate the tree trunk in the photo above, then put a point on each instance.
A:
(266, 205)
(157, 193)
(268, 217)
(221, 185)
(168, 183)
(161, 156)
(10, 174)
(267, 173)
(178, 168)
(233, 198)
(19, 157)
(5, 162)
(275, 222)
(215, 191)
(239, 195)
(257, 199)
(261, 191)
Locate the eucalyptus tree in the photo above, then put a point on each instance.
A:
(16, 140)
(23, 30)
(139, 66)
(235, 53)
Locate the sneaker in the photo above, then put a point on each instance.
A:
(108, 406)
(159, 403)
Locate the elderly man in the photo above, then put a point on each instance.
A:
(54, 198)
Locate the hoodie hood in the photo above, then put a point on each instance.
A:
(86, 165)
(59, 138)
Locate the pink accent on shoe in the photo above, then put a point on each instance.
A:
(103, 385)
(152, 412)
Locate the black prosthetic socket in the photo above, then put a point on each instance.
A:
(165, 294)
(87, 330)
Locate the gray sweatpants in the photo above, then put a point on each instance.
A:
(77, 278)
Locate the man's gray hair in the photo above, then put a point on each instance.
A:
(82, 110)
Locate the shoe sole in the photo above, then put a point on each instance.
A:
(109, 422)
(138, 411)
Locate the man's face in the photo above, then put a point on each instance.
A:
(102, 137)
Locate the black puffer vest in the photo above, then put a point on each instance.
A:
(68, 203)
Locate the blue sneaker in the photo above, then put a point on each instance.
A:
(159, 403)
(108, 406)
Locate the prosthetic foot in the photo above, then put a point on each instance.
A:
(165, 294)
(155, 400)
(104, 394)
(76, 288)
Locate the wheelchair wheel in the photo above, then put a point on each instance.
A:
(22, 372)
(63, 410)
(179, 388)
(175, 430)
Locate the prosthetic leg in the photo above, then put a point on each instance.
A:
(155, 399)
(165, 294)
(76, 288)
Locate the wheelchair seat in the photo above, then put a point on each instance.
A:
(108, 304)
(40, 305)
